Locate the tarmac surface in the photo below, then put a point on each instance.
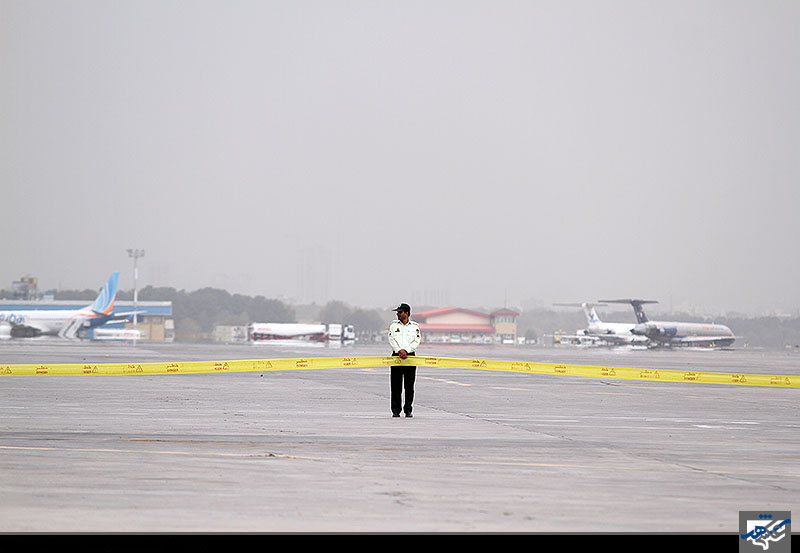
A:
(318, 450)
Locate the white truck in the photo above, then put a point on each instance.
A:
(338, 332)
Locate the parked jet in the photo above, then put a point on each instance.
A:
(64, 322)
(612, 333)
(677, 333)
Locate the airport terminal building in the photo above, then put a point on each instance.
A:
(454, 325)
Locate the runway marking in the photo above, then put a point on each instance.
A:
(155, 452)
(445, 381)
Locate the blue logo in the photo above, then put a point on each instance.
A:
(12, 318)
(765, 531)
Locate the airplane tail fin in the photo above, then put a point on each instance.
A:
(588, 308)
(641, 316)
(98, 311)
(104, 304)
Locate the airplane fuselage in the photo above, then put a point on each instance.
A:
(46, 322)
(677, 333)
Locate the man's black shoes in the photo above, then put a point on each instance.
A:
(407, 415)
(395, 415)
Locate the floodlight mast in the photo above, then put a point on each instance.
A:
(135, 254)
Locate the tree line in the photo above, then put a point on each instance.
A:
(196, 313)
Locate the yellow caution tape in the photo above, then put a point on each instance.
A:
(255, 365)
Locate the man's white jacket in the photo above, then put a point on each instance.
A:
(404, 336)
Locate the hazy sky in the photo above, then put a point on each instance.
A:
(468, 153)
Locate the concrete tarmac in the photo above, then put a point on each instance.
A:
(318, 450)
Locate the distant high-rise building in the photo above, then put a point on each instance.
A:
(26, 288)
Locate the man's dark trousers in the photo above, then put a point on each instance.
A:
(402, 376)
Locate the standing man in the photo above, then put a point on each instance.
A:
(404, 337)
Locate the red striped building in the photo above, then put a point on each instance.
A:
(455, 325)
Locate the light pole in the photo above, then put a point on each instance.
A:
(135, 254)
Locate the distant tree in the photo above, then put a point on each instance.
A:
(546, 321)
(366, 320)
(266, 310)
(160, 293)
(335, 312)
(203, 309)
(87, 295)
(187, 330)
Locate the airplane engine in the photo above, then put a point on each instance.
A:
(646, 329)
(24, 332)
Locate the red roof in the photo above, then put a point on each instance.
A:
(456, 328)
(443, 310)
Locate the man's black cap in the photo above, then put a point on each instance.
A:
(403, 307)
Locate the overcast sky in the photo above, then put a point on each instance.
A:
(464, 153)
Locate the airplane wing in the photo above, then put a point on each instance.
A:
(127, 316)
(577, 339)
(621, 339)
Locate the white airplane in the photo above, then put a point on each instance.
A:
(63, 322)
(611, 333)
(668, 333)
